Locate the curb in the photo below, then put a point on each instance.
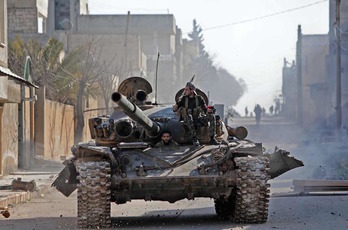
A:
(22, 197)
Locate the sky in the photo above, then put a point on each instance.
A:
(252, 50)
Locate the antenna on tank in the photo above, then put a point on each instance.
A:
(158, 55)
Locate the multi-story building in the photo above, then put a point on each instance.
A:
(314, 91)
(316, 75)
(27, 19)
(132, 41)
(334, 30)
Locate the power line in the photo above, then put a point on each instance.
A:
(264, 16)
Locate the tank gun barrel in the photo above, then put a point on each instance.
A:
(136, 114)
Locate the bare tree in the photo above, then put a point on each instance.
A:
(88, 73)
(110, 81)
(108, 85)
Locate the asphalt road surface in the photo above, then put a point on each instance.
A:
(54, 211)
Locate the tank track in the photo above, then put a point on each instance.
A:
(93, 194)
(252, 195)
(248, 203)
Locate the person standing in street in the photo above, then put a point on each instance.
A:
(258, 111)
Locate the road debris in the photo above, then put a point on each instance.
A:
(4, 211)
(18, 184)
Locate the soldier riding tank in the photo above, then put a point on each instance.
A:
(122, 163)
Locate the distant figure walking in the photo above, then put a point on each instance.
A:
(277, 107)
(257, 111)
(271, 110)
(246, 111)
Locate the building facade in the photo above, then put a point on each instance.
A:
(15, 113)
(316, 74)
(135, 40)
(342, 30)
(289, 90)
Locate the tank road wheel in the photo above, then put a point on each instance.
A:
(252, 192)
(93, 194)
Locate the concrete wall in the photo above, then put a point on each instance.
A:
(116, 24)
(111, 49)
(59, 130)
(9, 90)
(315, 48)
(22, 16)
(9, 99)
(9, 138)
(40, 38)
(3, 33)
(54, 126)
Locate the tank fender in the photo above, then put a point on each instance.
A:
(66, 182)
(280, 162)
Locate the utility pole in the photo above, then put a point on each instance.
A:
(338, 66)
(299, 75)
(126, 43)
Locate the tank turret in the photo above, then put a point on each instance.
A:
(134, 112)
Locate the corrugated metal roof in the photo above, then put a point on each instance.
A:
(9, 73)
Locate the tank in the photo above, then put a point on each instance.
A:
(123, 163)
